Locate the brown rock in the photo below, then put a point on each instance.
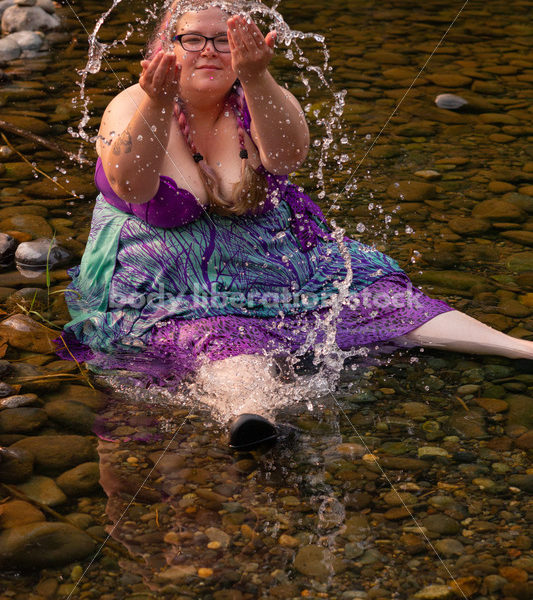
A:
(519, 236)
(21, 331)
(81, 480)
(22, 420)
(449, 80)
(468, 226)
(465, 586)
(58, 452)
(525, 441)
(16, 465)
(37, 226)
(18, 512)
(493, 405)
(498, 210)
(412, 543)
(411, 191)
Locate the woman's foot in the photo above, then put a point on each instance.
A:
(249, 431)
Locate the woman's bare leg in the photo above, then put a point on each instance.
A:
(460, 333)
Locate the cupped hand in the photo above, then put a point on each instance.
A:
(251, 52)
(160, 78)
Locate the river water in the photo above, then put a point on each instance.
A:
(449, 194)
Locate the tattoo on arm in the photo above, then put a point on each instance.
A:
(123, 142)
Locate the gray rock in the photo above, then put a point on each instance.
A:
(58, 452)
(43, 489)
(28, 18)
(27, 40)
(314, 561)
(22, 420)
(18, 401)
(9, 50)
(81, 480)
(8, 245)
(16, 465)
(5, 4)
(6, 390)
(39, 253)
(44, 544)
(450, 102)
(47, 5)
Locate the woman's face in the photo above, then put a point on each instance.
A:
(207, 70)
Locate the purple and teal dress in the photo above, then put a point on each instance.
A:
(165, 285)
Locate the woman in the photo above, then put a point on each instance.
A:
(201, 250)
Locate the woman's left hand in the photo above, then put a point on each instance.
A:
(251, 53)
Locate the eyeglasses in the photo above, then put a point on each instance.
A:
(194, 42)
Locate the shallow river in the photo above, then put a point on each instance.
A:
(416, 471)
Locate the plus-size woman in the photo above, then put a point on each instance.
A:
(201, 249)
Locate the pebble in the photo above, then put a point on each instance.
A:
(449, 547)
(441, 524)
(19, 400)
(314, 561)
(28, 18)
(22, 420)
(432, 451)
(71, 415)
(217, 535)
(411, 191)
(450, 102)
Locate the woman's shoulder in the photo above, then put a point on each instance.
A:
(128, 98)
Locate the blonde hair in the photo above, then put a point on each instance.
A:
(250, 192)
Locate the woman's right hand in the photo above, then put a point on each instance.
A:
(160, 78)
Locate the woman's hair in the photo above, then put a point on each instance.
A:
(250, 192)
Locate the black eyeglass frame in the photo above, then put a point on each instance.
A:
(178, 38)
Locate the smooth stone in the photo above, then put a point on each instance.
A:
(22, 420)
(6, 390)
(449, 547)
(41, 253)
(31, 298)
(450, 80)
(493, 405)
(217, 535)
(58, 452)
(393, 498)
(91, 398)
(525, 441)
(29, 377)
(72, 415)
(4, 4)
(18, 401)
(176, 573)
(25, 2)
(46, 544)
(470, 425)
(434, 591)
(16, 465)
(9, 50)
(500, 187)
(432, 451)
(442, 524)
(18, 512)
(521, 261)
(314, 561)
(428, 174)
(81, 480)
(21, 331)
(453, 280)
(37, 226)
(499, 119)
(8, 245)
(498, 210)
(519, 236)
(514, 308)
(31, 18)
(43, 490)
(31, 41)
(411, 191)
(469, 226)
(47, 5)
(450, 102)
(48, 189)
(523, 482)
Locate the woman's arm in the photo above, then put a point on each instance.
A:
(278, 128)
(133, 136)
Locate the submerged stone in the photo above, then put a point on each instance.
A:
(450, 102)
(40, 254)
(43, 544)
(8, 245)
